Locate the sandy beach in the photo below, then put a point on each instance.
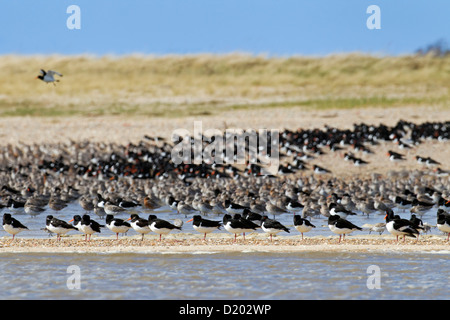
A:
(191, 243)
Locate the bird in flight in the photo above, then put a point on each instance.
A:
(48, 76)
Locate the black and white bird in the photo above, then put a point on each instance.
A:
(234, 208)
(320, 170)
(160, 226)
(204, 226)
(117, 225)
(340, 210)
(341, 226)
(87, 226)
(294, 206)
(443, 222)
(400, 227)
(49, 76)
(76, 222)
(12, 226)
(302, 225)
(55, 225)
(272, 226)
(140, 225)
(236, 225)
(395, 157)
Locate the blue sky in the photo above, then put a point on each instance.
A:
(271, 27)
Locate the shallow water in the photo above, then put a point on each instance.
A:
(230, 276)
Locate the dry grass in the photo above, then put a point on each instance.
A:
(178, 86)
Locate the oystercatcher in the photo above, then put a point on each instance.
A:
(399, 227)
(12, 226)
(395, 157)
(320, 170)
(117, 225)
(272, 226)
(89, 226)
(76, 222)
(236, 225)
(160, 226)
(338, 209)
(139, 225)
(443, 222)
(49, 76)
(125, 204)
(234, 208)
(58, 226)
(294, 206)
(14, 204)
(341, 226)
(252, 216)
(302, 225)
(204, 226)
(431, 163)
(357, 162)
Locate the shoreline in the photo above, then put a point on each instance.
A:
(218, 244)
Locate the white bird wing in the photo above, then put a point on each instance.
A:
(52, 72)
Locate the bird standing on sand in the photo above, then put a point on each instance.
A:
(117, 225)
(400, 227)
(204, 226)
(88, 226)
(443, 222)
(160, 226)
(302, 225)
(139, 225)
(12, 226)
(58, 226)
(49, 76)
(272, 226)
(341, 226)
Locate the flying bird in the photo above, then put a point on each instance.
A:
(48, 76)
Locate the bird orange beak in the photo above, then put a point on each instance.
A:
(385, 217)
(71, 220)
(190, 220)
(128, 219)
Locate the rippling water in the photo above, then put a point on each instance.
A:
(231, 276)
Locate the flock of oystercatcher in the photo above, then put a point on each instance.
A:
(108, 179)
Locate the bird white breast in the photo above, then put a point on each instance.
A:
(9, 228)
(303, 228)
(57, 230)
(233, 230)
(117, 229)
(160, 230)
(390, 228)
(270, 230)
(204, 229)
(339, 231)
(443, 227)
(143, 230)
